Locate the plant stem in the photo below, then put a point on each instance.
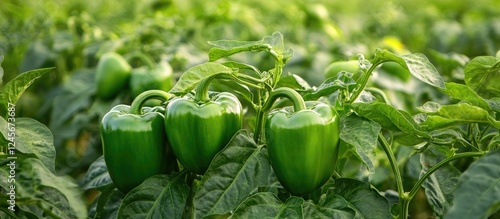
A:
(375, 90)
(422, 179)
(146, 59)
(259, 125)
(397, 175)
(292, 95)
(136, 106)
(362, 82)
(247, 83)
(278, 69)
(202, 90)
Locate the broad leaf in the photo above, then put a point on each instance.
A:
(240, 168)
(494, 104)
(225, 48)
(107, 204)
(76, 96)
(331, 206)
(34, 140)
(418, 65)
(293, 81)
(273, 44)
(465, 93)
(476, 195)
(15, 88)
(348, 198)
(278, 46)
(189, 79)
(342, 81)
(160, 196)
(441, 184)
(481, 74)
(242, 66)
(448, 137)
(457, 114)
(361, 135)
(54, 195)
(240, 90)
(97, 175)
(389, 117)
(267, 205)
(362, 197)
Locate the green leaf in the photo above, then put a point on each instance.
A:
(331, 206)
(97, 176)
(440, 185)
(448, 137)
(348, 198)
(238, 170)
(418, 65)
(343, 80)
(273, 44)
(389, 117)
(15, 88)
(494, 104)
(33, 139)
(465, 93)
(160, 196)
(107, 204)
(476, 195)
(293, 81)
(361, 135)
(481, 74)
(362, 197)
(54, 195)
(429, 107)
(242, 66)
(189, 79)
(225, 48)
(277, 44)
(267, 205)
(76, 96)
(495, 142)
(457, 114)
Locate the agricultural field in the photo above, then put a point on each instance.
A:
(250, 109)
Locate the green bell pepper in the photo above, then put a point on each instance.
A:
(351, 66)
(135, 145)
(302, 142)
(112, 75)
(159, 77)
(198, 128)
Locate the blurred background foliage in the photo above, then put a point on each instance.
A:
(72, 34)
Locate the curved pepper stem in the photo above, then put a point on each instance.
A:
(147, 60)
(201, 95)
(292, 95)
(136, 106)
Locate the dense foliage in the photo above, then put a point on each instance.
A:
(417, 92)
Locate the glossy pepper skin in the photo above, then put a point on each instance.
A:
(146, 78)
(112, 75)
(303, 146)
(198, 131)
(135, 147)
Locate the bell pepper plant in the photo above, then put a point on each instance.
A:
(112, 75)
(302, 142)
(152, 76)
(199, 127)
(134, 142)
(260, 145)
